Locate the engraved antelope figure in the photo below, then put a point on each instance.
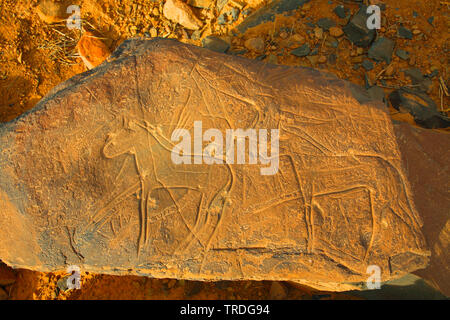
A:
(134, 139)
(146, 143)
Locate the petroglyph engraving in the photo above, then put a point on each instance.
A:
(338, 201)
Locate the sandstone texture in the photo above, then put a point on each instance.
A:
(86, 177)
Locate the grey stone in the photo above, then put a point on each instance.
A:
(376, 93)
(381, 50)
(268, 13)
(215, 44)
(341, 11)
(420, 106)
(326, 23)
(367, 64)
(404, 33)
(301, 51)
(402, 54)
(356, 30)
(418, 79)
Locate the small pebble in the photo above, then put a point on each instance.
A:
(402, 54)
(215, 44)
(179, 12)
(318, 33)
(322, 59)
(283, 35)
(336, 32)
(404, 33)
(326, 23)
(297, 38)
(340, 11)
(389, 71)
(50, 11)
(255, 44)
(153, 32)
(301, 51)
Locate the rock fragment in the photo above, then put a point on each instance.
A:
(341, 11)
(420, 106)
(381, 50)
(301, 51)
(215, 44)
(377, 93)
(204, 4)
(420, 82)
(179, 12)
(404, 33)
(255, 44)
(402, 54)
(92, 50)
(51, 11)
(357, 31)
(367, 64)
(268, 13)
(318, 33)
(326, 23)
(336, 32)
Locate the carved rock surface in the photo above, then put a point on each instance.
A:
(86, 177)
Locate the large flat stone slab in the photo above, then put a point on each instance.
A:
(87, 177)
